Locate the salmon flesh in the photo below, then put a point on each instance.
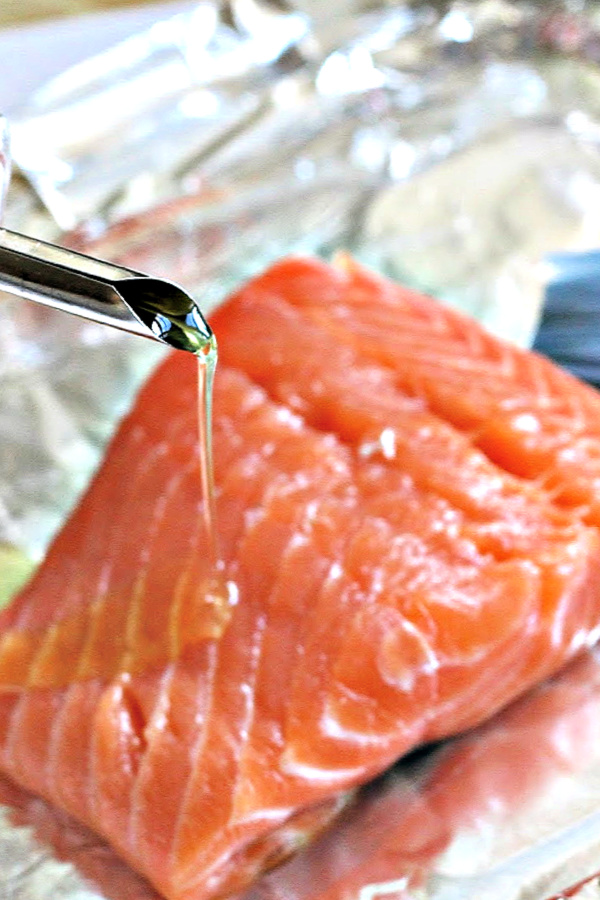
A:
(408, 520)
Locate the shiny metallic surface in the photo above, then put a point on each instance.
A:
(61, 279)
(453, 146)
(81, 285)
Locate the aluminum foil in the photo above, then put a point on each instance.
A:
(452, 146)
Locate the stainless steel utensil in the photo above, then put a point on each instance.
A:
(101, 291)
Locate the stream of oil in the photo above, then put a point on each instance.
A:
(75, 648)
(207, 364)
(177, 320)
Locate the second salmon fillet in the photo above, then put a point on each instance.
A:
(408, 517)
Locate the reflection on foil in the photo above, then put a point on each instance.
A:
(452, 146)
(129, 116)
(588, 889)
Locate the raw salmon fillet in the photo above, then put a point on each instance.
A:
(408, 510)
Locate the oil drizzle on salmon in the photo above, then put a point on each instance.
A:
(207, 364)
(71, 648)
(180, 324)
(219, 593)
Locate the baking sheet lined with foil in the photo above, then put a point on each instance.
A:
(453, 147)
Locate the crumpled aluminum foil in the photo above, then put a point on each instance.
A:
(452, 146)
